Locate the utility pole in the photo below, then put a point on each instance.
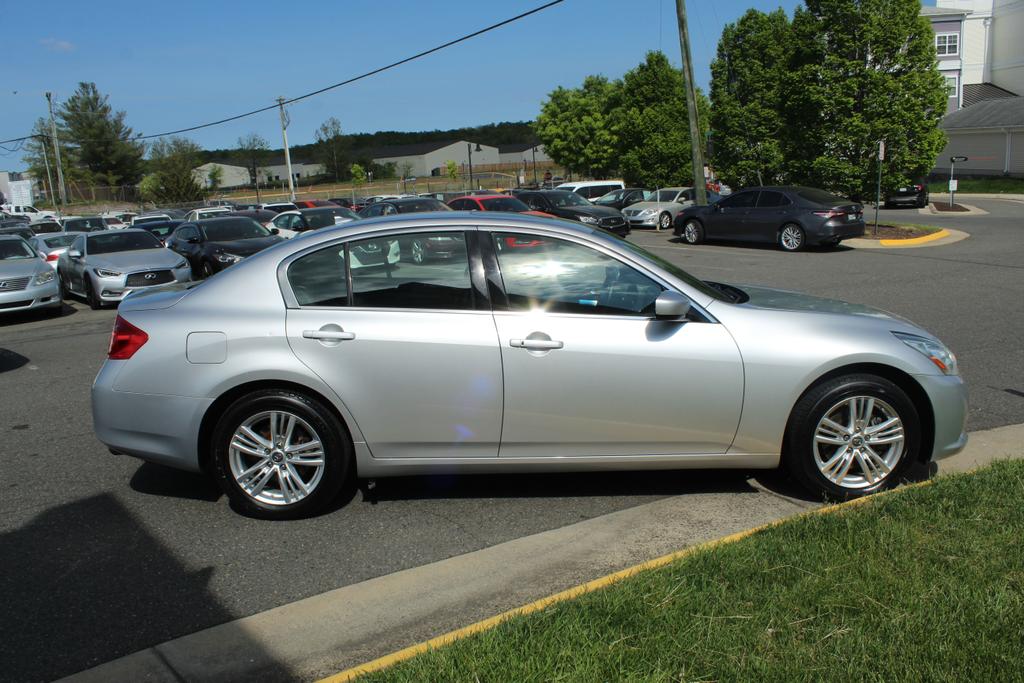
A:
(49, 178)
(697, 151)
(287, 155)
(878, 187)
(56, 153)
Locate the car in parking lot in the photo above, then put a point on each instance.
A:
(911, 194)
(278, 207)
(21, 230)
(620, 199)
(160, 229)
(792, 217)
(504, 360)
(661, 207)
(570, 205)
(494, 202)
(51, 246)
(592, 189)
(45, 225)
(26, 281)
(213, 244)
(139, 221)
(104, 267)
(206, 212)
(396, 205)
(84, 224)
(292, 223)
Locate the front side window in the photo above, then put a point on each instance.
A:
(318, 279)
(558, 276)
(423, 270)
(235, 229)
(186, 234)
(947, 44)
(741, 200)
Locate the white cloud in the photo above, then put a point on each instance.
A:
(54, 45)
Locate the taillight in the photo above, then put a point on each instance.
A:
(832, 213)
(52, 256)
(125, 340)
(918, 187)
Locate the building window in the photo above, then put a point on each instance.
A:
(952, 83)
(947, 44)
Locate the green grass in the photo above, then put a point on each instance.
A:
(981, 185)
(926, 584)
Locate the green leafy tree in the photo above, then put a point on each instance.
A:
(358, 175)
(652, 127)
(173, 162)
(252, 150)
(862, 71)
(451, 169)
(405, 169)
(574, 126)
(149, 188)
(330, 148)
(103, 142)
(214, 178)
(39, 150)
(747, 117)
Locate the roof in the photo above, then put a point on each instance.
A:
(998, 113)
(928, 11)
(977, 92)
(412, 150)
(517, 147)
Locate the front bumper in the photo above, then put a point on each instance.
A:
(32, 297)
(643, 221)
(112, 289)
(948, 397)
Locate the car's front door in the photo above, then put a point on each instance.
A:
(410, 348)
(589, 371)
(75, 265)
(767, 216)
(181, 242)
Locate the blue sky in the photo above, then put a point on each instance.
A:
(175, 64)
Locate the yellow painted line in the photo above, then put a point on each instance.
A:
(915, 240)
(589, 587)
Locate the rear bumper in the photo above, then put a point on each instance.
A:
(912, 199)
(834, 230)
(30, 298)
(948, 397)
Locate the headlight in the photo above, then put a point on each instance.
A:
(180, 264)
(43, 278)
(588, 219)
(228, 258)
(103, 272)
(933, 350)
(648, 212)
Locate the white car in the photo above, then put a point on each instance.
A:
(51, 245)
(199, 214)
(25, 210)
(278, 207)
(592, 189)
(150, 218)
(292, 223)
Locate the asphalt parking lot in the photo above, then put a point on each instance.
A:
(104, 555)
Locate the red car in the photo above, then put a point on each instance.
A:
(313, 203)
(500, 202)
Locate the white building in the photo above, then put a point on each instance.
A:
(522, 152)
(428, 158)
(990, 134)
(230, 175)
(278, 170)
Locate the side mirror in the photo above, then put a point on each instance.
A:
(671, 304)
(74, 253)
(275, 231)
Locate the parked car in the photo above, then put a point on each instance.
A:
(494, 202)
(278, 207)
(20, 230)
(661, 208)
(139, 221)
(113, 223)
(620, 199)
(313, 203)
(292, 223)
(914, 194)
(26, 281)
(105, 267)
(213, 244)
(161, 229)
(51, 246)
(45, 225)
(574, 207)
(222, 202)
(592, 189)
(261, 216)
(792, 217)
(29, 212)
(84, 224)
(206, 212)
(387, 207)
(518, 351)
(342, 201)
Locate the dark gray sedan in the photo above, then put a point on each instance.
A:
(792, 217)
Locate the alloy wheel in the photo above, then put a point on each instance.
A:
(691, 233)
(418, 255)
(858, 442)
(792, 238)
(665, 222)
(276, 457)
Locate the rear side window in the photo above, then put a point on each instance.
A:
(318, 279)
(772, 199)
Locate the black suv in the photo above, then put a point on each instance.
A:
(574, 207)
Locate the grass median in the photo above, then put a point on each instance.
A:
(923, 584)
(981, 185)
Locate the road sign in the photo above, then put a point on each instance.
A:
(952, 185)
(881, 150)
(954, 160)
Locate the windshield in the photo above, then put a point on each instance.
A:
(139, 220)
(678, 272)
(121, 241)
(84, 224)
(510, 204)
(567, 199)
(59, 241)
(15, 250)
(325, 218)
(234, 229)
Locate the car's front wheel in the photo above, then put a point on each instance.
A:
(693, 232)
(851, 436)
(280, 454)
(419, 252)
(664, 221)
(91, 297)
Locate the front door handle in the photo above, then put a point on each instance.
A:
(330, 335)
(535, 344)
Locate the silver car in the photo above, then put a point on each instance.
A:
(541, 346)
(660, 209)
(26, 281)
(106, 266)
(51, 245)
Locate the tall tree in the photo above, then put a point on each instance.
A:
(862, 71)
(173, 162)
(330, 148)
(39, 150)
(103, 140)
(574, 126)
(251, 151)
(653, 131)
(747, 120)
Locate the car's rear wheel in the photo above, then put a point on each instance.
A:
(91, 297)
(664, 221)
(693, 232)
(851, 436)
(419, 252)
(791, 237)
(922, 202)
(280, 454)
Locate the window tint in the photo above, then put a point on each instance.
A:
(772, 199)
(434, 272)
(186, 234)
(564, 277)
(510, 204)
(461, 205)
(739, 201)
(820, 196)
(318, 279)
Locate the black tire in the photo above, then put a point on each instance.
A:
(419, 252)
(665, 221)
(337, 452)
(206, 270)
(693, 231)
(800, 455)
(922, 202)
(794, 230)
(91, 297)
(65, 293)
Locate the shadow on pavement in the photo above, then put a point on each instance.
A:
(167, 482)
(84, 583)
(9, 360)
(11, 319)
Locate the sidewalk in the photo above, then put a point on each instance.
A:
(348, 626)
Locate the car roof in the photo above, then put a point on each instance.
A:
(7, 237)
(113, 231)
(483, 196)
(214, 221)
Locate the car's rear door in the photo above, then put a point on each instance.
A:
(729, 219)
(588, 371)
(409, 348)
(768, 215)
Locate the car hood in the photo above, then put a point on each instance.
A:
(786, 300)
(245, 247)
(135, 260)
(596, 211)
(21, 267)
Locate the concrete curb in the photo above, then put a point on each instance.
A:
(984, 195)
(938, 239)
(972, 210)
(348, 626)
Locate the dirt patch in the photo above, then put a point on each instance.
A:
(946, 206)
(897, 232)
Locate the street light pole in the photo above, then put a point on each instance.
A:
(535, 166)
(56, 153)
(469, 152)
(700, 191)
(287, 155)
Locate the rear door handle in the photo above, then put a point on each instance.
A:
(332, 335)
(535, 344)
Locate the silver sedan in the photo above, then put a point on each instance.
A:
(539, 345)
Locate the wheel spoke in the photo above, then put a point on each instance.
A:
(254, 437)
(883, 426)
(246, 476)
(258, 487)
(242, 444)
(867, 468)
(288, 429)
(867, 408)
(309, 448)
(831, 432)
(293, 474)
(288, 490)
(877, 460)
(838, 462)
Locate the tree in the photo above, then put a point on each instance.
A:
(39, 150)
(405, 169)
(104, 142)
(652, 127)
(747, 117)
(251, 150)
(358, 174)
(215, 177)
(575, 129)
(173, 162)
(330, 147)
(862, 71)
(451, 169)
